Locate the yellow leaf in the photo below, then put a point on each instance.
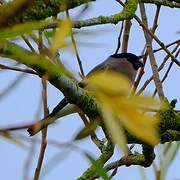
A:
(61, 34)
(141, 125)
(112, 90)
(114, 129)
(144, 102)
(130, 115)
(21, 29)
(110, 83)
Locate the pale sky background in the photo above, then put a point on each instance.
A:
(20, 105)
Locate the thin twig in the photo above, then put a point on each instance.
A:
(11, 86)
(168, 45)
(33, 142)
(17, 127)
(126, 36)
(28, 71)
(28, 44)
(46, 112)
(157, 40)
(28, 161)
(119, 38)
(75, 48)
(159, 49)
(161, 44)
(156, 77)
(167, 72)
(94, 138)
(159, 69)
(44, 131)
(165, 76)
(45, 50)
(141, 72)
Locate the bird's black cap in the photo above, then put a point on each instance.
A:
(125, 55)
(132, 58)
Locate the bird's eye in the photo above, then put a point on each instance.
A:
(138, 64)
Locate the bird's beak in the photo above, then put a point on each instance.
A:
(140, 63)
(140, 57)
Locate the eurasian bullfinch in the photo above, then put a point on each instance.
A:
(123, 63)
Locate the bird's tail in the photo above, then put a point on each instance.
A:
(41, 124)
(51, 118)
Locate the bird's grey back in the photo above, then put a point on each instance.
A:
(119, 65)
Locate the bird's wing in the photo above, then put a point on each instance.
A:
(99, 67)
(59, 106)
(121, 66)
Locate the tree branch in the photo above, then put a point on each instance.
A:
(107, 152)
(151, 55)
(41, 9)
(168, 3)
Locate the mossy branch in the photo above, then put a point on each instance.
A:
(171, 4)
(127, 13)
(144, 159)
(169, 119)
(74, 94)
(41, 9)
(107, 152)
(169, 127)
(37, 9)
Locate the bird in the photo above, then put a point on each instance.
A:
(126, 64)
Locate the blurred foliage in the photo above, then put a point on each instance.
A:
(34, 9)
(170, 150)
(60, 35)
(120, 109)
(8, 136)
(97, 167)
(119, 106)
(18, 30)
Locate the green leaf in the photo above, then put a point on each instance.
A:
(167, 159)
(49, 35)
(60, 35)
(9, 137)
(21, 29)
(13, 51)
(142, 173)
(87, 130)
(98, 167)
